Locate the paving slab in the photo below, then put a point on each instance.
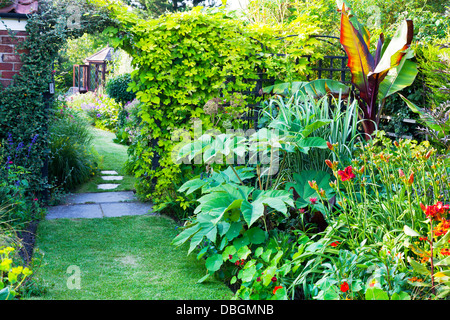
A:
(110, 172)
(110, 178)
(75, 211)
(118, 209)
(107, 186)
(100, 197)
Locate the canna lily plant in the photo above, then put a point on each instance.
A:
(377, 75)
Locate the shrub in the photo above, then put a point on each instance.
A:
(71, 158)
(117, 88)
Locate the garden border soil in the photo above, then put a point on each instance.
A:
(28, 238)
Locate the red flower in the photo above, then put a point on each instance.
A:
(258, 279)
(313, 200)
(445, 252)
(230, 257)
(344, 287)
(347, 174)
(435, 211)
(276, 288)
(274, 279)
(334, 244)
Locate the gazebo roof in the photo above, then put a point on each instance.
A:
(21, 7)
(100, 56)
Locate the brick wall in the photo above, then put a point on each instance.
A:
(10, 63)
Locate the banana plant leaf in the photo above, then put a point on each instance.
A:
(369, 71)
(398, 78)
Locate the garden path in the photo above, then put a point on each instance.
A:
(100, 204)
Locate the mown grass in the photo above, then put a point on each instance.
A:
(112, 157)
(120, 258)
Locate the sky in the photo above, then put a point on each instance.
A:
(236, 4)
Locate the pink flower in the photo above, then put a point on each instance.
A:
(313, 200)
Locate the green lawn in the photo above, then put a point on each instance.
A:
(113, 156)
(120, 258)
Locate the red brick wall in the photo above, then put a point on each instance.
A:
(10, 58)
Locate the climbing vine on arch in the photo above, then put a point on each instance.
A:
(24, 105)
(183, 60)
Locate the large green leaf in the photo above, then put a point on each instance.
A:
(252, 211)
(6, 294)
(398, 78)
(311, 142)
(304, 191)
(192, 185)
(214, 262)
(376, 294)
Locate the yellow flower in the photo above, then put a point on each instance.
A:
(17, 270)
(27, 272)
(5, 264)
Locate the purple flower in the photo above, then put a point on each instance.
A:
(10, 139)
(98, 115)
(20, 146)
(33, 141)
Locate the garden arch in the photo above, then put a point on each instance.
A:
(24, 103)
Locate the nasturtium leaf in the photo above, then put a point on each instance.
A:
(256, 235)
(214, 262)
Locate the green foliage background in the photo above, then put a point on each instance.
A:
(182, 61)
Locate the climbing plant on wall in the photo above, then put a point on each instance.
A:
(183, 60)
(24, 109)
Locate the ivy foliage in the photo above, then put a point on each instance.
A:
(25, 105)
(183, 60)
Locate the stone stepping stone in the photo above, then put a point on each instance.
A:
(101, 210)
(107, 186)
(74, 211)
(100, 197)
(109, 172)
(111, 178)
(118, 209)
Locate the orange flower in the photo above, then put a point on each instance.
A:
(313, 184)
(276, 289)
(415, 279)
(330, 146)
(332, 165)
(329, 164)
(445, 252)
(411, 178)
